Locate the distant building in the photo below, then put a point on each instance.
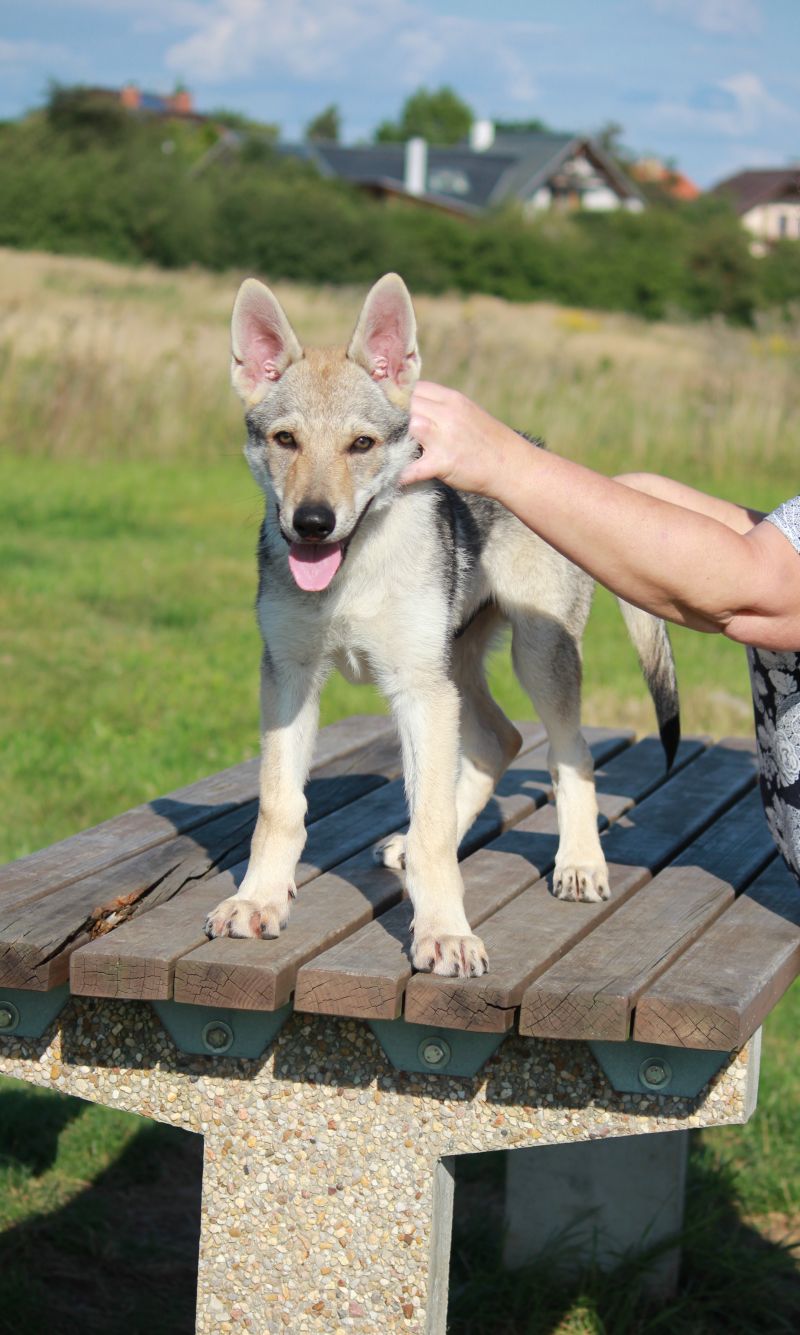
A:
(652, 171)
(163, 106)
(767, 201)
(537, 171)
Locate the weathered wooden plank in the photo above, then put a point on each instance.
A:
(721, 990)
(366, 974)
(591, 991)
(260, 975)
(148, 946)
(157, 821)
(145, 954)
(528, 935)
(38, 936)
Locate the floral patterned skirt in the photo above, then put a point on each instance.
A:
(775, 680)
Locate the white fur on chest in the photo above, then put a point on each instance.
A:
(387, 606)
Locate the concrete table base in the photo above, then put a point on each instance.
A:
(327, 1181)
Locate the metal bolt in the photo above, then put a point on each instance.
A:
(655, 1073)
(434, 1052)
(217, 1036)
(9, 1017)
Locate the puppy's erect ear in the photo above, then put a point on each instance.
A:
(385, 339)
(263, 342)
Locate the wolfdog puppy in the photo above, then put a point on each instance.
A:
(406, 588)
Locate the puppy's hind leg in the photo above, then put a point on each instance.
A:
(488, 740)
(546, 656)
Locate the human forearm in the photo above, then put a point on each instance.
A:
(738, 517)
(715, 571)
(676, 563)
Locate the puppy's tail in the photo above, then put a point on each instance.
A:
(651, 641)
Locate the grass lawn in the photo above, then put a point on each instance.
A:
(128, 666)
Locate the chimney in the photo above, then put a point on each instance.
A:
(416, 166)
(130, 96)
(481, 136)
(181, 101)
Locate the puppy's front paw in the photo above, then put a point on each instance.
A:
(391, 852)
(449, 956)
(587, 883)
(245, 918)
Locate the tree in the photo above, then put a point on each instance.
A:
(609, 137)
(439, 116)
(326, 126)
(235, 120)
(533, 126)
(85, 117)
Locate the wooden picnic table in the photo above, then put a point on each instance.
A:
(667, 981)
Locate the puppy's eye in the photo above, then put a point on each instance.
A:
(285, 439)
(361, 444)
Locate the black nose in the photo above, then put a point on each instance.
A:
(314, 521)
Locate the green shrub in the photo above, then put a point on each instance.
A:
(82, 178)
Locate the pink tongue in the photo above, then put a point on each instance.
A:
(314, 564)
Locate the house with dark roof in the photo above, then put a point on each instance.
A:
(536, 171)
(767, 201)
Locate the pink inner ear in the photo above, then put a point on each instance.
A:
(263, 350)
(386, 341)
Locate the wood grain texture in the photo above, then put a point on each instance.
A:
(526, 936)
(38, 936)
(145, 950)
(721, 990)
(160, 820)
(366, 974)
(144, 953)
(334, 905)
(590, 992)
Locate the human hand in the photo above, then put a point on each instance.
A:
(461, 444)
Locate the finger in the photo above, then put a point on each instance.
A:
(420, 427)
(418, 471)
(430, 390)
(430, 398)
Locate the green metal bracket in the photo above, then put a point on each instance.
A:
(217, 1031)
(25, 1014)
(432, 1051)
(653, 1068)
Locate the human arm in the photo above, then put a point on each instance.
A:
(698, 562)
(738, 517)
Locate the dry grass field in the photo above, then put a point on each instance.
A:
(105, 362)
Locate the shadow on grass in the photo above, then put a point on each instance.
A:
(733, 1280)
(120, 1257)
(30, 1127)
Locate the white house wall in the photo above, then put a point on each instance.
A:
(600, 199)
(774, 222)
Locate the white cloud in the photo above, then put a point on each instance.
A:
(733, 17)
(737, 107)
(373, 42)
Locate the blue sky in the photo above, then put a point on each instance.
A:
(714, 84)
